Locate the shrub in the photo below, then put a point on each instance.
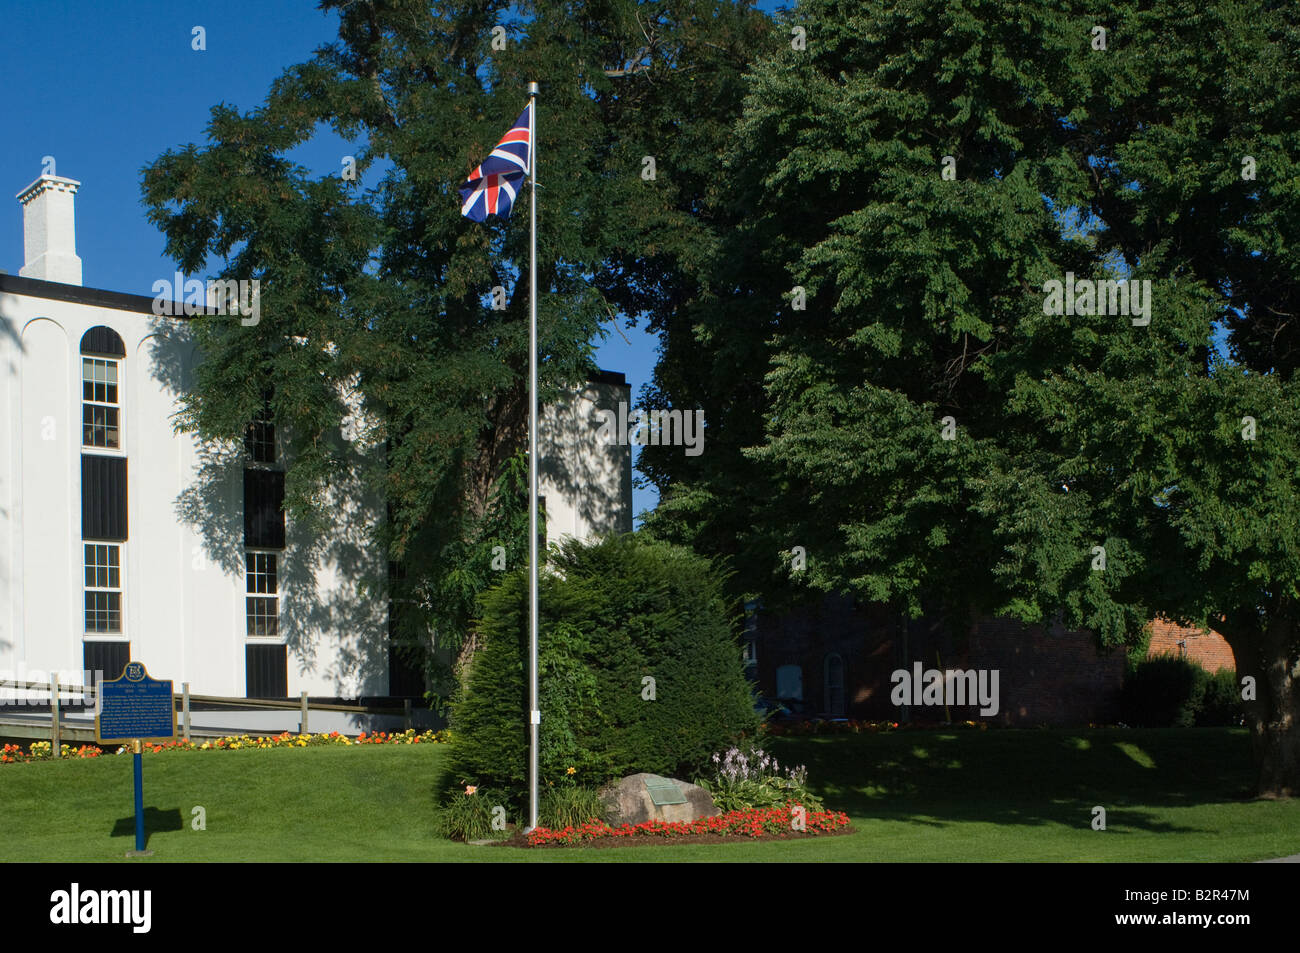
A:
(1168, 691)
(467, 815)
(566, 805)
(611, 614)
(1222, 705)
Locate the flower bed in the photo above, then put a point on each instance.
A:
(752, 823)
(40, 750)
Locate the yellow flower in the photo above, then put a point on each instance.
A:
(571, 770)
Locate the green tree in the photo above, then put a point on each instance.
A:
(374, 286)
(1079, 441)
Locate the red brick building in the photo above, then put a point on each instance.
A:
(835, 658)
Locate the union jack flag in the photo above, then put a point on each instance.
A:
(491, 188)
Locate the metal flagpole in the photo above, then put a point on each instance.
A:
(534, 713)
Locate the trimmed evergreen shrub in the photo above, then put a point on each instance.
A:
(1168, 691)
(1223, 705)
(611, 615)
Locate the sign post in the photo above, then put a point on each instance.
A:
(136, 708)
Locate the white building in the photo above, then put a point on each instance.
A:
(107, 553)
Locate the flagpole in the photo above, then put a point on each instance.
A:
(534, 713)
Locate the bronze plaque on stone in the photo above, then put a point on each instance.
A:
(664, 791)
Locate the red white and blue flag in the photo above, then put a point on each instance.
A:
(491, 188)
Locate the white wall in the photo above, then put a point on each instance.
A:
(183, 577)
(587, 483)
(47, 508)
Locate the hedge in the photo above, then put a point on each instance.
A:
(1168, 691)
(612, 614)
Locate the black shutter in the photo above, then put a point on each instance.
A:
(105, 661)
(267, 671)
(405, 672)
(103, 497)
(264, 509)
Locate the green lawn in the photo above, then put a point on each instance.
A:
(913, 796)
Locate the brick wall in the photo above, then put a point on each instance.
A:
(1050, 676)
(1045, 677)
(1210, 649)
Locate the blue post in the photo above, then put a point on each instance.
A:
(139, 800)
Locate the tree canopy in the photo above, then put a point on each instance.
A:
(374, 288)
(874, 338)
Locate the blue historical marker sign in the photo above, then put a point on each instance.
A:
(135, 706)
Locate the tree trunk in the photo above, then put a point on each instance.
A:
(1266, 649)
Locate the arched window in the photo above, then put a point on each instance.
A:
(102, 352)
(834, 684)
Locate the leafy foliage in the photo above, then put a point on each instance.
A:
(925, 301)
(568, 805)
(1172, 692)
(612, 614)
(468, 816)
(747, 777)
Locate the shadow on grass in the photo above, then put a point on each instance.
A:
(156, 820)
(1025, 777)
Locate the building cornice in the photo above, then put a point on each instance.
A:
(77, 294)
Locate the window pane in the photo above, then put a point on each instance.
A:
(103, 612)
(110, 427)
(262, 617)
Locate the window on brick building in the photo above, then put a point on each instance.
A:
(834, 681)
(789, 682)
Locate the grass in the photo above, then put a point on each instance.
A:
(1172, 795)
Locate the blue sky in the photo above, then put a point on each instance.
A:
(105, 88)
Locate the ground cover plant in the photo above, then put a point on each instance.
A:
(747, 777)
(1172, 795)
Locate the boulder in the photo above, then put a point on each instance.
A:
(629, 802)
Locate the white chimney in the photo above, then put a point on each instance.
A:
(49, 234)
